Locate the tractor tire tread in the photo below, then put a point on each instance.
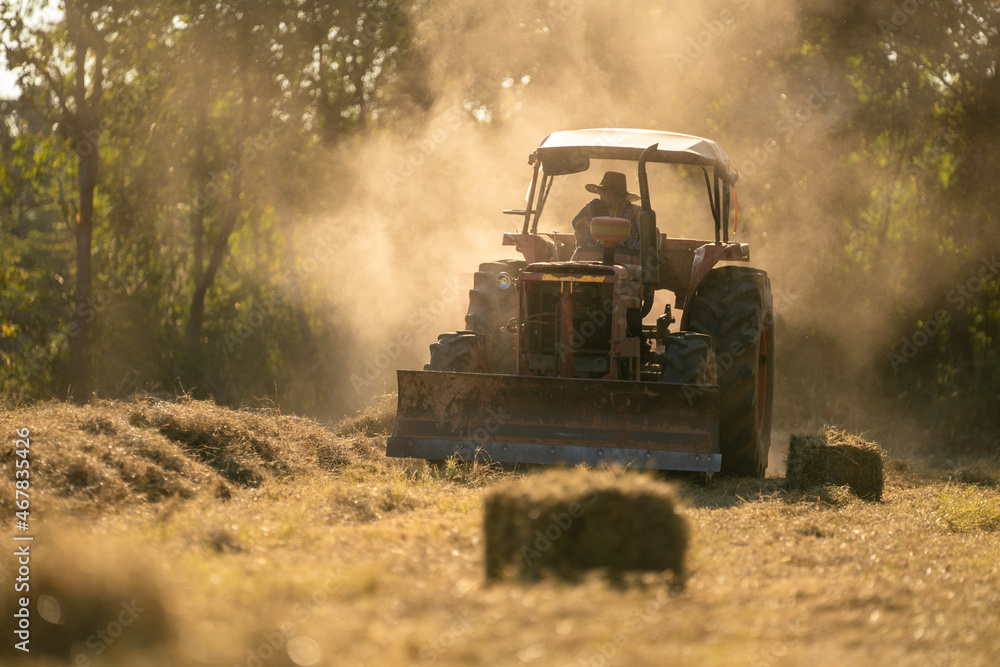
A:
(458, 352)
(733, 305)
(687, 359)
(490, 308)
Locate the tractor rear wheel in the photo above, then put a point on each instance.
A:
(458, 352)
(733, 305)
(490, 308)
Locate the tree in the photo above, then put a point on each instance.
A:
(64, 68)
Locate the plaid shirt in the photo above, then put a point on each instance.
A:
(596, 208)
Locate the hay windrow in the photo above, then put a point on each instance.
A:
(837, 458)
(563, 523)
(245, 447)
(377, 419)
(111, 454)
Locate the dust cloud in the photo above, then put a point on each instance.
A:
(423, 203)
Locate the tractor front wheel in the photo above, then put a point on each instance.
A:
(688, 358)
(458, 352)
(491, 307)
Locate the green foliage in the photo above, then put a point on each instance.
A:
(210, 119)
(31, 298)
(968, 509)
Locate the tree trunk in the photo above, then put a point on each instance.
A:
(197, 311)
(80, 382)
(218, 251)
(85, 123)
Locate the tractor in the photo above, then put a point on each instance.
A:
(558, 363)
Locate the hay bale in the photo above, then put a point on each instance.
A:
(565, 522)
(836, 458)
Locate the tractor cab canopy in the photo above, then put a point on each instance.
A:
(570, 151)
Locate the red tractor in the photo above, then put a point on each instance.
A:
(556, 365)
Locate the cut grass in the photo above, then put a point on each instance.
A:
(969, 509)
(369, 561)
(107, 455)
(980, 473)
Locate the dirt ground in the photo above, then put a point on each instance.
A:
(179, 533)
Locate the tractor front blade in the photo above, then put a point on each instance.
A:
(556, 421)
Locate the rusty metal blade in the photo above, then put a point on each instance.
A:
(559, 421)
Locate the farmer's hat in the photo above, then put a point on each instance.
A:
(613, 181)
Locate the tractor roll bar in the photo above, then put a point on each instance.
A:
(531, 197)
(648, 236)
(719, 195)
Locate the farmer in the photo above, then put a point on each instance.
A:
(615, 201)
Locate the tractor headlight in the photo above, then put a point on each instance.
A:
(504, 280)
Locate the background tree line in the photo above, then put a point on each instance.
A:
(154, 168)
(160, 166)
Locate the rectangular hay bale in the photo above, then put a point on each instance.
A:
(837, 458)
(565, 522)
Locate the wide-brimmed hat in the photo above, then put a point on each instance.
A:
(613, 181)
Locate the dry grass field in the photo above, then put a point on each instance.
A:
(182, 534)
